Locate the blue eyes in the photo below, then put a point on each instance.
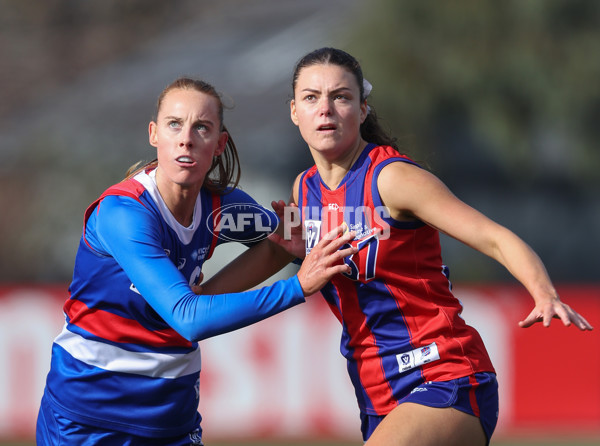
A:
(178, 125)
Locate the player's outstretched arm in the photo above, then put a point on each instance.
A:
(198, 317)
(410, 191)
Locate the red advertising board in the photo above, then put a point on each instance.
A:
(285, 378)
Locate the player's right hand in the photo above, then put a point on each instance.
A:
(325, 260)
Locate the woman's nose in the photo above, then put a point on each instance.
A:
(185, 137)
(325, 107)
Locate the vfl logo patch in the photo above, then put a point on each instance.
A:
(312, 229)
(417, 357)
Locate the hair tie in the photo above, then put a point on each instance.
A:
(367, 87)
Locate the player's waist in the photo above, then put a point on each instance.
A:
(113, 358)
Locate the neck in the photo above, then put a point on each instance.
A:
(180, 200)
(333, 171)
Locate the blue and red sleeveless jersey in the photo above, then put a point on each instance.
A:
(401, 322)
(128, 357)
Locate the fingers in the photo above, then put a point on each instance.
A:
(334, 233)
(278, 207)
(569, 316)
(325, 260)
(578, 320)
(531, 319)
(584, 324)
(331, 243)
(561, 313)
(558, 310)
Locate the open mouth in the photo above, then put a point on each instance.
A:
(185, 160)
(326, 127)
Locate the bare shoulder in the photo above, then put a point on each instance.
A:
(406, 178)
(295, 189)
(405, 188)
(400, 172)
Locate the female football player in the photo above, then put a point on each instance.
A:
(422, 376)
(125, 368)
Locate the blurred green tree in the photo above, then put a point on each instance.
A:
(514, 84)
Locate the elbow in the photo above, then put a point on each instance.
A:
(186, 331)
(188, 318)
(193, 332)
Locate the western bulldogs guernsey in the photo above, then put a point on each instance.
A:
(401, 323)
(128, 358)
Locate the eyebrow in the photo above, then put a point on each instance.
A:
(197, 121)
(336, 90)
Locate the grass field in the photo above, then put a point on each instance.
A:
(502, 442)
(542, 442)
(529, 441)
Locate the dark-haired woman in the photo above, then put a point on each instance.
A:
(422, 376)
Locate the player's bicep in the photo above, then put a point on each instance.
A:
(411, 191)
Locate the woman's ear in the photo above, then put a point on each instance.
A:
(293, 112)
(364, 111)
(222, 144)
(152, 138)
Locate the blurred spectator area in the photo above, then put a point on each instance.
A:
(499, 99)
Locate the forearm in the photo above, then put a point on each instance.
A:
(525, 265)
(198, 317)
(249, 269)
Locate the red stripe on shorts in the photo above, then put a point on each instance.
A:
(472, 396)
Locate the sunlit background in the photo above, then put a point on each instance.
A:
(500, 99)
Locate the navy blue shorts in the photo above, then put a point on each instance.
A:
(53, 429)
(476, 395)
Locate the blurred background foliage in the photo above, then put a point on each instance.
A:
(502, 101)
(499, 99)
(519, 81)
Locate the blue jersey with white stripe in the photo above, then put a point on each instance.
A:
(128, 358)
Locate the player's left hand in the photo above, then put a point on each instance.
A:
(555, 309)
(289, 234)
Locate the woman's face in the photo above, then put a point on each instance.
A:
(327, 109)
(187, 135)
